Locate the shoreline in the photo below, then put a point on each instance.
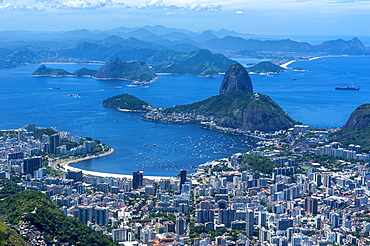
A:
(286, 64)
(65, 166)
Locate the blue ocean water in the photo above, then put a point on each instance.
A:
(162, 149)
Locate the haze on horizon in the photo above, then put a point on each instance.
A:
(261, 17)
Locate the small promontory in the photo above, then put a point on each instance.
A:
(126, 102)
(236, 78)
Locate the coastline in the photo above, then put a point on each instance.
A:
(285, 65)
(64, 165)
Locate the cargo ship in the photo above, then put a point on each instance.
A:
(347, 88)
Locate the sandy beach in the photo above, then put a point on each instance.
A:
(65, 166)
(285, 65)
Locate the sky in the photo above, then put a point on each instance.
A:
(261, 17)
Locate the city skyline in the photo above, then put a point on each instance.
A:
(296, 17)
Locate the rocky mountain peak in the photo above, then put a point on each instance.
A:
(360, 118)
(236, 78)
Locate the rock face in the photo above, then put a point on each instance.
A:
(236, 78)
(260, 113)
(133, 71)
(360, 118)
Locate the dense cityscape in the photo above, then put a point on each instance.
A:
(296, 188)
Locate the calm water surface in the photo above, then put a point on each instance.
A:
(161, 149)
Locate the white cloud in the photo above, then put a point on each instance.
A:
(7, 6)
(239, 12)
(171, 5)
(203, 7)
(76, 4)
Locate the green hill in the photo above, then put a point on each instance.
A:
(240, 110)
(38, 209)
(10, 237)
(126, 102)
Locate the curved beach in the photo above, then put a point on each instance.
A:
(64, 165)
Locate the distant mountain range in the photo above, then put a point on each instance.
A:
(158, 46)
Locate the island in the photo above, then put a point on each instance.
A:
(115, 69)
(126, 102)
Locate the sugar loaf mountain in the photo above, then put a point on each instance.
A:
(235, 107)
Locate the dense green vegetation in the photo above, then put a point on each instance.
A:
(11, 134)
(265, 67)
(42, 213)
(43, 131)
(257, 164)
(126, 101)
(7, 187)
(10, 237)
(357, 136)
(69, 145)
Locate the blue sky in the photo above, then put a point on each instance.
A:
(262, 17)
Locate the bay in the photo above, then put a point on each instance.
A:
(162, 149)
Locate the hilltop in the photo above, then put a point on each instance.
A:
(236, 78)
